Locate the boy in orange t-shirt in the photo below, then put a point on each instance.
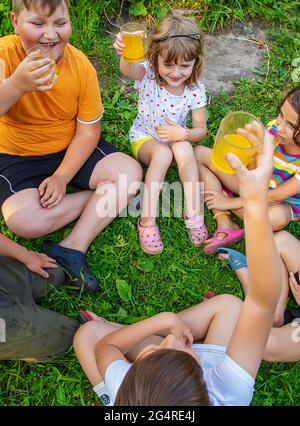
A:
(49, 138)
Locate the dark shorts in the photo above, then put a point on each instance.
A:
(28, 330)
(19, 172)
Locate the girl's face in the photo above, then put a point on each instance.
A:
(169, 342)
(175, 74)
(35, 27)
(287, 124)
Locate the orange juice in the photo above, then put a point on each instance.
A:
(134, 50)
(236, 144)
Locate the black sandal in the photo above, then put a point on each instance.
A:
(73, 261)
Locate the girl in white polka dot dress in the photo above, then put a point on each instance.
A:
(169, 88)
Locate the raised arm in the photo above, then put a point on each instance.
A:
(254, 324)
(115, 345)
(131, 70)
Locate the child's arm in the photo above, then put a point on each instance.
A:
(115, 345)
(199, 130)
(131, 70)
(33, 260)
(176, 133)
(27, 77)
(218, 201)
(215, 200)
(53, 188)
(284, 191)
(249, 338)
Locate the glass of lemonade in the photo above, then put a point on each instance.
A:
(134, 36)
(44, 52)
(229, 140)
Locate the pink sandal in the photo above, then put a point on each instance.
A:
(231, 236)
(197, 230)
(150, 240)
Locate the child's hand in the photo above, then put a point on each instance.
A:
(295, 287)
(51, 190)
(119, 45)
(33, 74)
(254, 183)
(171, 133)
(180, 330)
(216, 200)
(35, 262)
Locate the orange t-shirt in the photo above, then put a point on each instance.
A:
(42, 123)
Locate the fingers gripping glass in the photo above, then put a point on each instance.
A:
(41, 52)
(240, 133)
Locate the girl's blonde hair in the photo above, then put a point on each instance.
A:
(178, 37)
(166, 377)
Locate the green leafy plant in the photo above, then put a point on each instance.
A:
(5, 25)
(295, 74)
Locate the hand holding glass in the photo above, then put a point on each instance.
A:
(40, 52)
(240, 133)
(133, 36)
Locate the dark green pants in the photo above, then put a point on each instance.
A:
(28, 330)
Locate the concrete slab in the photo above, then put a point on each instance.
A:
(232, 54)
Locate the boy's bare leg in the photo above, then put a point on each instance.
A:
(111, 196)
(25, 216)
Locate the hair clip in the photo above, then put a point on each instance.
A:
(192, 36)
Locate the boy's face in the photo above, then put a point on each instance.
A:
(35, 27)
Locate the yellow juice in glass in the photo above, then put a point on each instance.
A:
(134, 50)
(44, 52)
(236, 144)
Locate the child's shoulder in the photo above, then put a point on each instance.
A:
(10, 42)
(198, 86)
(76, 56)
(76, 53)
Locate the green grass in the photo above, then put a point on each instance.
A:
(181, 275)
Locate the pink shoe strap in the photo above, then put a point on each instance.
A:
(194, 222)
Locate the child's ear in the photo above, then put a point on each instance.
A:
(14, 21)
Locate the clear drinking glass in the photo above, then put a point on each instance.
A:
(134, 36)
(44, 52)
(229, 140)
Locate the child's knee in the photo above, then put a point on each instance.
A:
(182, 148)
(203, 155)
(26, 228)
(162, 155)
(90, 332)
(230, 303)
(279, 217)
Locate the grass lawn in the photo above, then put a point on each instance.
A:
(181, 275)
